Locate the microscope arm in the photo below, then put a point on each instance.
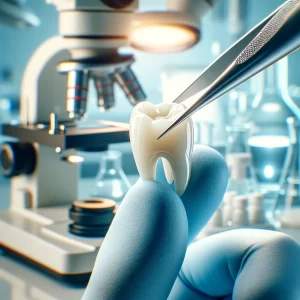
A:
(38, 98)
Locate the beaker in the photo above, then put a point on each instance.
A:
(111, 182)
(286, 209)
(268, 156)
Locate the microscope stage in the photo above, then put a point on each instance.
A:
(81, 135)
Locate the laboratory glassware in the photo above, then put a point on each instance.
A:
(240, 216)
(111, 183)
(268, 156)
(290, 94)
(203, 132)
(237, 138)
(239, 159)
(239, 106)
(269, 110)
(286, 209)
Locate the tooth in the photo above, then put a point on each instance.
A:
(147, 122)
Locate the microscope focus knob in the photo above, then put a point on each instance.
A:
(117, 4)
(17, 159)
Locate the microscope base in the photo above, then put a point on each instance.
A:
(41, 237)
(76, 279)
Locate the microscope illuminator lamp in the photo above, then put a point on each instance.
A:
(175, 29)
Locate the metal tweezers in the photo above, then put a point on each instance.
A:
(274, 38)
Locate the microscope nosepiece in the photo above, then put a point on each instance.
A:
(77, 89)
(130, 85)
(105, 93)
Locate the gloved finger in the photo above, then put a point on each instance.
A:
(144, 248)
(244, 263)
(207, 185)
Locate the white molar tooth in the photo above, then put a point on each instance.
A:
(146, 124)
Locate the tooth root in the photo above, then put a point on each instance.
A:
(181, 169)
(147, 169)
(168, 171)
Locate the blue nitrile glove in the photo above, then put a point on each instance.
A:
(246, 264)
(144, 248)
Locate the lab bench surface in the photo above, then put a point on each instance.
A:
(20, 281)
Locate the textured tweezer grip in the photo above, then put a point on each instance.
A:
(271, 28)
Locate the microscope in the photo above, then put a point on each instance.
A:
(46, 223)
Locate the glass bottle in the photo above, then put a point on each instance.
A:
(112, 183)
(203, 132)
(286, 208)
(239, 159)
(240, 104)
(237, 138)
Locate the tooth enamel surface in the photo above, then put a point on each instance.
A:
(147, 122)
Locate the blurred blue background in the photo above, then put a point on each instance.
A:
(16, 47)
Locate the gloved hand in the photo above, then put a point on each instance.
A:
(246, 264)
(144, 248)
(143, 251)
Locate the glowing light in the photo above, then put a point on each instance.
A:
(57, 149)
(112, 172)
(73, 159)
(116, 188)
(269, 141)
(163, 37)
(271, 107)
(269, 171)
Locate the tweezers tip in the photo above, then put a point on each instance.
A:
(162, 134)
(177, 122)
(167, 130)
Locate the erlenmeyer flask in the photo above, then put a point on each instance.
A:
(111, 182)
(269, 110)
(286, 208)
